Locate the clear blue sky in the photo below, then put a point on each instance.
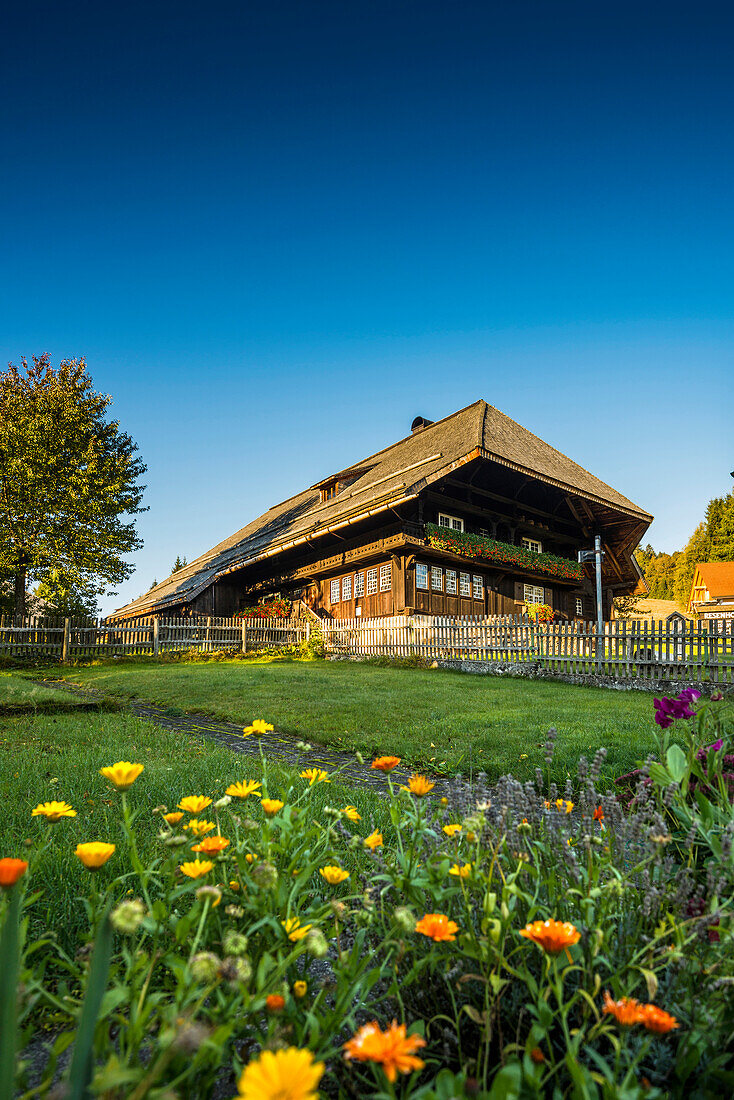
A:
(279, 231)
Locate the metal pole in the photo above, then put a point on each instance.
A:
(599, 608)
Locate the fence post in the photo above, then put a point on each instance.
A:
(66, 644)
(244, 635)
(156, 637)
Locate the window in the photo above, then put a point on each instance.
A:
(335, 591)
(385, 577)
(329, 491)
(421, 576)
(464, 584)
(450, 582)
(347, 587)
(533, 594)
(477, 587)
(452, 522)
(436, 578)
(579, 606)
(534, 545)
(359, 584)
(371, 582)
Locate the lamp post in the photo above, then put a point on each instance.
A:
(596, 556)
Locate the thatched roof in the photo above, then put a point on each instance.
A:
(383, 480)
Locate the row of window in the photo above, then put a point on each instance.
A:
(456, 523)
(449, 581)
(364, 583)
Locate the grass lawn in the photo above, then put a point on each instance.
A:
(18, 693)
(433, 719)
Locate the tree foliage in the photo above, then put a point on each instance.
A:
(69, 481)
(179, 564)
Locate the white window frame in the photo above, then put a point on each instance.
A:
(534, 545)
(530, 593)
(453, 523)
(579, 605)
(464, 584)
(436, 578)
(477, 587)
(335, 590)
(371, 582)
(386, 577)
(346, 588)
(358, 585)
(421, 576)
(452, 585)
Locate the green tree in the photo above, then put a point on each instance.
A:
(179, 564)
(68, 480)
(57, 596)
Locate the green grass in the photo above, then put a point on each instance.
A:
(433, 719)
(17, 692)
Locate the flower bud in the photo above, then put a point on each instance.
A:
(248, 825)
(204, 966)
(128, 916)
(339, 909)
(405, 918)
(173, 841)
(303, 746)
(265, 875)
(223, 801)
(359, 758)
(234, 943)
(212, 892)
(234, 911)
(236, 969)
(316, 944)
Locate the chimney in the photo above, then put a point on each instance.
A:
(419, 424)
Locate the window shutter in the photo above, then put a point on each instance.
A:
(519, 592)
(549, 596)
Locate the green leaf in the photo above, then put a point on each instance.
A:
(9, 967)
(82, 1061)
(677, 763)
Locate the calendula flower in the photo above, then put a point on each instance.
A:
(452, 830)
(274, 1002)
(460, 871)
(199, 826)
(524, 825)
(271, 805)
(211, 845)
(172, 819)
(243, 790)
(374, 840)
(352, 813)
(53, 811)
(385, 763)
(300, 989)
(290, 1074)
(333, 875)
(258, 727)
(94, 854)
(294, 930)
(551, 935)
(537, 1056)
(393, 1049)
(626, 1010)
(657, 1020)
(418, 785)
(438, 927)
(315, 775)
(11, 870)
(194, 803)
(195, 868)
(598, 814)
(251, 857)
(122, 775)
(561, 803)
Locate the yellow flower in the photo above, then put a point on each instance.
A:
(172, 819)
(352, 813)
(561, 802)
(289, 1074)
(333, 875)
(459, 871)
(199, 826)
(294, 930)
(315, 775)
(122, 775)
(259, 726)
(53, 811)
(271, 805)
(195, 868)
(300, 989)
(374, 840)
(194, 803)
(211, 845)
(243, 790)
(251, 857)
(94, 854)
(418, 785)
(452, 830)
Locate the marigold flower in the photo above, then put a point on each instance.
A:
(172, 819)
(626, 1010)
(199, 826)
(123, 774)
(657, 1020)
(289, 1074)
(294, 930)
(195, 868)
(11, 870)
(271, 805)
(251, 857)
(300, 989)
(352, 813)
(537, 1056)
(460, 871)
(53, 811)
(374, 840)
(393, 1049)
(194, 803)
(211, 845)
(598, 814)
(560, 803)
(438, 927)
(333, 875)
(94, 854)
(315, 775)
(418, 785)
(259, 727)
(274, 1002)
(551, 935)
(385, 763)
(243, 790)
(452, 830)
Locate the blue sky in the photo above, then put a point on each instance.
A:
(279, 231)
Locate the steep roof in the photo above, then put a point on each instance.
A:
(718, 576)
(384, 479)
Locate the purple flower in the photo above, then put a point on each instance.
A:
(666, 710)
(716, 745)
(689, 695)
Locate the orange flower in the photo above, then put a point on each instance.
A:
(438, 927)
(418, 785)
(11, 870)
(393, 1049)
(274, 1002)
(211, 845)
(537, 1056)
(271, 805)
(172, 819)
(657, 1020)
(551, 935)
(598, 814)
(385, 763)
(626, 1010)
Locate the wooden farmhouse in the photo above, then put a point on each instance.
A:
(712, 591)
(471, 515)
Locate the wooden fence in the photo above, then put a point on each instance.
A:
(68, 639)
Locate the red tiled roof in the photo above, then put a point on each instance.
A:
(718, 576)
